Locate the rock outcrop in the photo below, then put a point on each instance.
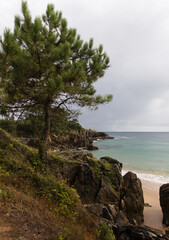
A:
(107, 195)
(74, 139)
(164, 202)
(104, 194)
(132, 201)
(118, 165)
(82, 139)
(100, 185)
(133, 232)
(96, 181)
(102, 211)
(91, 147)
(94, 135)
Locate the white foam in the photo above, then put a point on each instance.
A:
(156, 178)
(122, 137)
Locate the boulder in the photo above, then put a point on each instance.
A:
(132, 201)
(164, 202)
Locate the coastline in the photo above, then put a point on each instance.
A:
(153, 214)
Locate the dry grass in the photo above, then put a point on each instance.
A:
(35, 205)
(23, 217)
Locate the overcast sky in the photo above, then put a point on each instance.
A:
(135, 35)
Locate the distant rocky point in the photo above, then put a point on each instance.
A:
(72, 140)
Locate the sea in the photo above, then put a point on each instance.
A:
(144, 153)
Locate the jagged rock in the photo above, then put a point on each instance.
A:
(114, 173)
(164, 202)
(113, 209)
(94, 135)
(114, 162)
(85, 182)
(94, 180)
(104, 211)
(82, 156)
(80, 139)
(91, 147)
(132, 201)
(106, 193)
(133, 232)
(92, 187)
(121, 218)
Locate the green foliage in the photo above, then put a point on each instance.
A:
(70, 233)
(8, 125)
(26, 190)
(42, 152)
(61, 122)
(3, 194)
(26, 128)
(102, 167)
(22, 168)
(61, 237)
(57, 191)
(105, 233)
(87, 190)
(95, 165)
(45, 66)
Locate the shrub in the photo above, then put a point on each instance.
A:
(105, 233)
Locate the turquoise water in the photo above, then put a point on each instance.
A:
(146, 153)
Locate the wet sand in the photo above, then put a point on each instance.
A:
(152, 215)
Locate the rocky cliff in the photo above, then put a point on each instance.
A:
(101, 187)
(82, 139)
(107, 195)
(74, 139)
(72, 195)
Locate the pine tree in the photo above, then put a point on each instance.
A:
(45, 65)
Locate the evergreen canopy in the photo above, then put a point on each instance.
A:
(45, 65)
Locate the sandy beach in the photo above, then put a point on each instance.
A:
(152, 215)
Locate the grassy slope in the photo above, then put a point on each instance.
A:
(33, 203)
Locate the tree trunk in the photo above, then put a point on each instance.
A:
(46, 132)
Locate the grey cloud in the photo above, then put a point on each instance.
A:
(135, 35)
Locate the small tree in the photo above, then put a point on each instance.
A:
(45, 65)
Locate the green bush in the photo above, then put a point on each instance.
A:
(105, 233)
(8, 125)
